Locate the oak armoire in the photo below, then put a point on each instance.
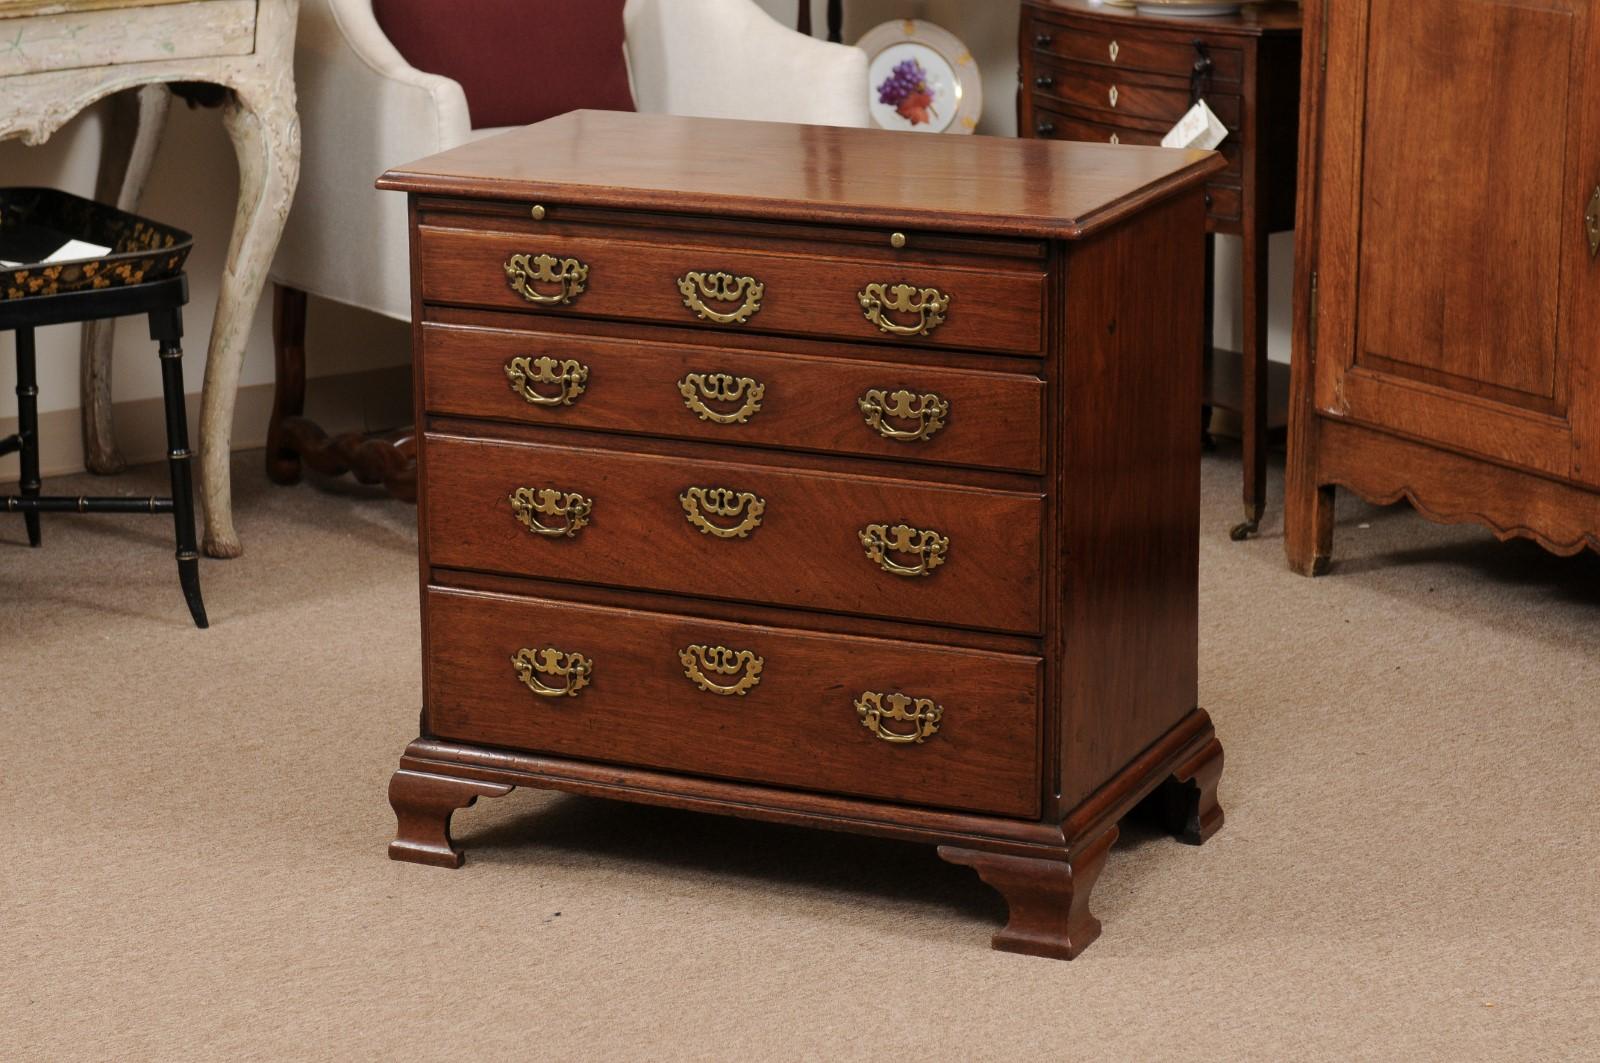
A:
(1447, 342)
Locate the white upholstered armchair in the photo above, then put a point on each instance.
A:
(365, 108)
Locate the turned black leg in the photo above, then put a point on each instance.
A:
(423, 804)
(1187, 800)
(1048, 899)
(166, 328)
(28, 428)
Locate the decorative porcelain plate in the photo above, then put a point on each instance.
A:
(1194, 8)
(922, 78)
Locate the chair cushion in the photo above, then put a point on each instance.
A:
(518, 61)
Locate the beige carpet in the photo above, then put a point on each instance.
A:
(195, 824)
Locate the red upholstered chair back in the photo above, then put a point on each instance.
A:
(519, 61)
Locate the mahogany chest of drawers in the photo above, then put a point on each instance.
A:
(823, 476)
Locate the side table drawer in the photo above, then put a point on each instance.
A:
(861, 299)
(1136, 49)
(1054, 125)
(898, 721)
(894, 549)
(726, 395)
(1112, 91)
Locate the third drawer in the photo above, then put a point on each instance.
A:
(894, 549)
(727, 395)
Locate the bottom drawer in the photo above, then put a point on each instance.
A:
(901, 721)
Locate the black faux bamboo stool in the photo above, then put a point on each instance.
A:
(162, 301)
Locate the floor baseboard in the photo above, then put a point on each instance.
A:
(370, 400)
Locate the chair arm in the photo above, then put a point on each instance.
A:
(730, 59)
(363, 109)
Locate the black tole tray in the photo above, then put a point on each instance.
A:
(31, 218)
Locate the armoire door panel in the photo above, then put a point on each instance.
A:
(1449, 254)
(1461, 196)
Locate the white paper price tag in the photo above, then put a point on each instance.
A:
(1200, 128)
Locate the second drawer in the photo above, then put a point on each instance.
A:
(884, 409)
(893, 549)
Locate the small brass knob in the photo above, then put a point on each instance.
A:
(897, 240)
(537, 212)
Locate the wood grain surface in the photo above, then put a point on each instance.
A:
(797, 727)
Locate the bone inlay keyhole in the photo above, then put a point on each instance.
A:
(1114, 50)
(1113, 95)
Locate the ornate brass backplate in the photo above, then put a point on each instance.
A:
(572, 668)
(926, 546)
(531, 503)
(568, 376)
(877, 711)
(1591, 222)
(929, 411)
(700, 663)
(928, 304)
(524, 271)
(698, 389)
(697, 287)
(702, 503)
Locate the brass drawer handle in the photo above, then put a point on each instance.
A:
(927, 546)
(698, 389)
(929, 411)
(574, 668)
(724, 288)
(1591, 223)
(723, 502)
(523, 272)
(531, 503)
(929, 304)
(700, 663)
(921, 713)
(569, 376)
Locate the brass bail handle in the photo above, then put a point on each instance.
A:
(535, 666)
(527, 375)
(704, 665)
(524, 271)
(697, 287)
(929, 305)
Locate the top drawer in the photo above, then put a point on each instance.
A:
(1138, 48)
(838, 291)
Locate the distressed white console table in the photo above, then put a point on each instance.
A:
(57, 57)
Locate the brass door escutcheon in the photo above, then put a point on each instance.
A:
(568, 376)
(531, 503)
(532, 664)
(700, 663)
(929, 411)
(881, 540)
(929, 304)
(723, 288)
(876, 711)
(1591, 222)
(698, 389)
(524, 271)
(697, 502)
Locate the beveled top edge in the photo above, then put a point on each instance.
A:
(991, 185)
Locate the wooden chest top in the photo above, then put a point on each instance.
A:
(767, 170)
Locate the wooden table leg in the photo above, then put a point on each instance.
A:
(1254, 399)
(133, 132)
(266, 136)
